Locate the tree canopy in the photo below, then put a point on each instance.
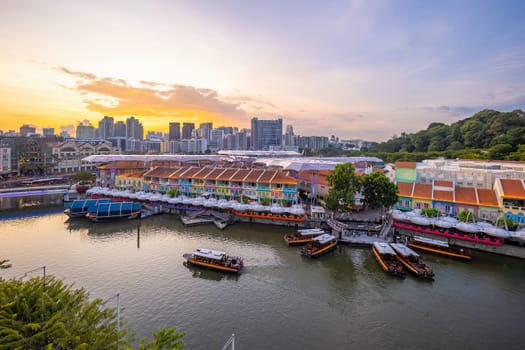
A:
(344, 184)
(378, 191)
(84, 176)
(53, 315)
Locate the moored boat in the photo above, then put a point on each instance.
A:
(410, 259)
(214, 259)
(386, 257)
(439, 247)
(319, 245)
(114, 211)
(302, 236)
(79, 208)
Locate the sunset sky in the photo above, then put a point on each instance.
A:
(354, 69)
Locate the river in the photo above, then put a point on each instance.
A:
(281, 300)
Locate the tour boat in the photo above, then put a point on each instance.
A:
(412, 262)
(319, 245)
(302, 236)
(387, 259)
(269, 215)
(79, 208)
(214, 259)
(114, 211)
(439, 247)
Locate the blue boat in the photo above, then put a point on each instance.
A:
(79, 208)
(114, 211)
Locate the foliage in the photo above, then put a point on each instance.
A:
(430, 212)
(173, 192)
(84, 176)
(265, 201)
(4, 264)
(466, 216)
(53, 315)
(506, 222)
(501, 133)
(378, 191)
(344, 184)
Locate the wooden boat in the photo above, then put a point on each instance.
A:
(79, 208)
(412, 262)
(302, 236)
(270, 216)
(215, 260)
(319, 245)
(114, 211)
(439, 247)
(387, 258)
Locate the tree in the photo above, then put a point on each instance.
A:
(53, 315)
(84, 176)
(378, 191)
(344, 184)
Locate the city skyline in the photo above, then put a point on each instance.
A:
(354, 69)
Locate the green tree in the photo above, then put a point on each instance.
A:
(466, 216)
(173, 192)
(378, 191)
(53, 315)
(344, 184)
(84, 176)
(500, 151)
(430, 212)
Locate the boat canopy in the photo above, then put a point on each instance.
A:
(324, 238)
(114, 208)
(209, 253)
(435, 242)
(309, 231)
(83, 204)
(384, 248)
(403, 250)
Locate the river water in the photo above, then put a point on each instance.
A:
(342, 300)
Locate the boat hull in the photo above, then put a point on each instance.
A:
(315, 253)
(396, 270)
(190, 260)
(414, 270)
(95, 218)
(441, 251)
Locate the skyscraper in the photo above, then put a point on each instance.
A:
(187, 129)
(27, 130)
(85, 131)
(174, 134)
(266, 133)
(119, 129)
(205, 130)
(48, 131)
(134, 129)
(106, 128)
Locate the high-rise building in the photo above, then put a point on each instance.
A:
(134, 129)
(119, 129)
(106, 128)
(174, 134)
(194, 145)
(289, 136)
(216, 138)
(85, 131)
(266, 133)
(187, 130)
(27, 130)
(205, 130)
(48, 131)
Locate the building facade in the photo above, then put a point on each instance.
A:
(265, 133)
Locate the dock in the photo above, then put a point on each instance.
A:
(358, 233)
(221, 220)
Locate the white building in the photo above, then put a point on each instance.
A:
(194, 145)
(67, 156)
(5, 160)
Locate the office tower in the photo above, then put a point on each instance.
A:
(85, 131)
(216, 138)
(48, 131)
(266, 133)
(134, 129)
(106, 128)
(119, 129)
(205, 130)
(187, 130)
(27, 130)
(174, 134)
(289, 136)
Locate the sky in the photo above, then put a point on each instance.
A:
(360, 69)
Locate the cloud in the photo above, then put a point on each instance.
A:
(118, 97)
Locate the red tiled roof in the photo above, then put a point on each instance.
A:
(487, 197)
(226, 174)
(176, 174)
(281, 178)
(405, 189)
(160, 172)
(466, 195)
(512, 188)
(410, 165)
(253, 175)
(267, 176)
(213, 174)
(190, 172)
(201, 175)
(123, 164)
(422, 191)
(240, 175)
(444, 196)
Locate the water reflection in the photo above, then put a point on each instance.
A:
(82, 225)
(208, 274)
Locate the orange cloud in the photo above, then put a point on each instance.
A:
(117, 97)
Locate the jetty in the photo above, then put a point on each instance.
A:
(358, 232)
(221, 220)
